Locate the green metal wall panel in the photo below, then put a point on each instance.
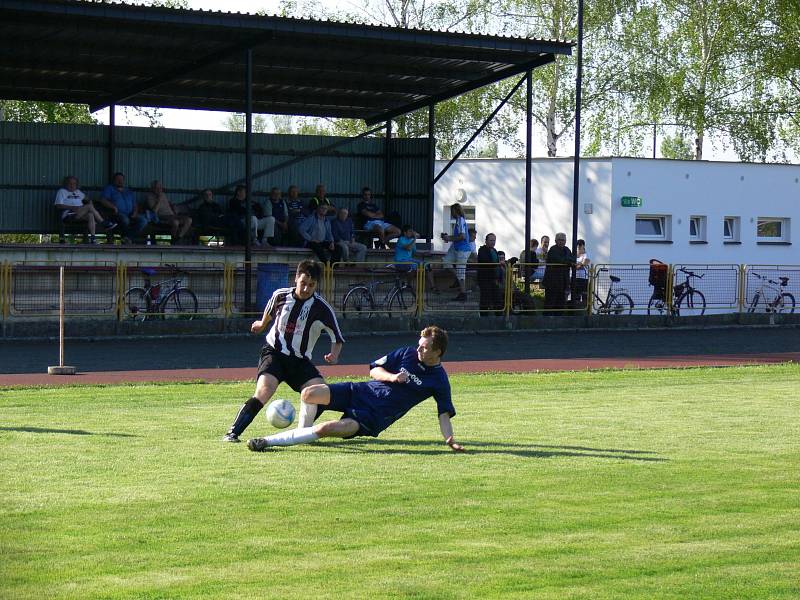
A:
(35, 157)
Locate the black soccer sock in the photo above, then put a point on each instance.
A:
(246, 415)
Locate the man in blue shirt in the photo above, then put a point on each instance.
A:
(400, 380)
(124, 210)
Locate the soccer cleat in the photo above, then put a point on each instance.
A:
(258, 445)
(109, 225)
(460, 298)
(231, 437)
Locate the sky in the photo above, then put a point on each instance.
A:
(212, 120)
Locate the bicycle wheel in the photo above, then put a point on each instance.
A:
(136, 303)
(656, 306)
(620, 304)
(691, 304)
(180, 303)
(357, 303)
(402, 300)
(785, 303)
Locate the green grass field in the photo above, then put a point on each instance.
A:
(634, 484)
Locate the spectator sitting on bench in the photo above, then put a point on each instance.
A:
(120, 201)
(373, 219)
(297, 214)
(210, 214)
(74, 206)
(404, 250)
(237, 215)
(321, 198)
(343, 237)
(158, 202)
(316, 231)
(280, 214)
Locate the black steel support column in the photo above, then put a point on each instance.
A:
(528, 169)
(387, 169)
(112, 140)
(431, 170)
(248, 175)
(478, 131)
(576, 176)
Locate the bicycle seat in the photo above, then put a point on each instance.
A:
(149, 271)
(614, 278)
(784, 281)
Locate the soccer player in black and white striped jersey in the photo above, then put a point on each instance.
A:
(299, 316)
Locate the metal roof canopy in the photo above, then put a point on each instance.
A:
(103, 54)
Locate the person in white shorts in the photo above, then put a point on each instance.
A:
(459, 251)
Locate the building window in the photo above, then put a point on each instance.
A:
(771, 229)
(697, 229)
(652, 227)
(730, 229)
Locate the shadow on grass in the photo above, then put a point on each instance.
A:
(67, 431)
(521, 450)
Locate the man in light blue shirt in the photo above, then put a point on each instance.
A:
(120, 201)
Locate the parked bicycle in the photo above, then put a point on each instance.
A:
(617, 300)
(685, 298)
(771, 295)
(363, 299)
(152, 301)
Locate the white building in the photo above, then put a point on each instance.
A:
(691, 212)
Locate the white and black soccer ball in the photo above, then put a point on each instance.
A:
(280, 413)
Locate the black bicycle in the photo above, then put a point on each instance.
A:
(364, 299)
(685, 298)
(616, 302)
(772, 295)
(150, 301)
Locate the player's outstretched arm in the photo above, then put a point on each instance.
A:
(447, 433)
(333, 356)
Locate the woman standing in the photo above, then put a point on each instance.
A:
(459, 251)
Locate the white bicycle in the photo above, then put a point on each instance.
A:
(771, 295)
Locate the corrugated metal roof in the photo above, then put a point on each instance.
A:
(101, 53)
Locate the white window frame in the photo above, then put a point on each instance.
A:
(700, 228)
(734, 227)
(665, 225)
(784, 225)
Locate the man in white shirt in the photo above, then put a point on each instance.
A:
(75, 207)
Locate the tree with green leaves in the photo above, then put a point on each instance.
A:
(692, 65)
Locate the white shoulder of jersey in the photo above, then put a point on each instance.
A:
(381, 361)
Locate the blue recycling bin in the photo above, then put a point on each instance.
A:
(271, 276)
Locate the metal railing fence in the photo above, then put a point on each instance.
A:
(30, 289)
(370, 290)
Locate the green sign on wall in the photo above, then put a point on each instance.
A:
(631, 201)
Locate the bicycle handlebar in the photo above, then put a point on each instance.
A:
(691, 273)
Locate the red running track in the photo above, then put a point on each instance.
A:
(471, 366)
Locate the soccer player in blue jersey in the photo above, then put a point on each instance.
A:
(299, 316)
(400, 380)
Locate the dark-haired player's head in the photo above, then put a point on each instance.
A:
(309, 273)
(408, 230)
(432, 345)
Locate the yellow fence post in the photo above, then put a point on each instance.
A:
(5, 288)
(227, 289)
(420, 288)
(590, 288)
(742, 286)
